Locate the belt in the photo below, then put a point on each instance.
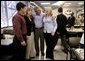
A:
(39, 28)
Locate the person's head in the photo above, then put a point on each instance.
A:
(72, 13)
(60, 9)
(78, 16)
(29, 11)
(48, 11)
(38, 10)
(20, 7)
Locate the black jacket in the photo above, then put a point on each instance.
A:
(71, 20)
(61, 21)
(30, 25)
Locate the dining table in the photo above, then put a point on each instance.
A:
(75, 32)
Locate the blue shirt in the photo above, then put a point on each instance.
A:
(50, 25)
(38, 20)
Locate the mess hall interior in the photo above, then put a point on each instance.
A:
(73, 12)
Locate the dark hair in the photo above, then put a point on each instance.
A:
(19, 6)
(72, 13)
(60, 9)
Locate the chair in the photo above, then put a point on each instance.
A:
(73, 43)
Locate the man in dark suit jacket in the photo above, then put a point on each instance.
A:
(71, 20)
(61, 31)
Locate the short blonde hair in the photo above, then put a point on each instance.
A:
(50, 10)
(28, 9)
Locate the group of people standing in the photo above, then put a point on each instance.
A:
(31, 27)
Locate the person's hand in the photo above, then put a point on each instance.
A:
(53, 17)
(58, 33)
(53, 33)
(23, 43)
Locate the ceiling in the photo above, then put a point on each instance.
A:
(64, 4)
(43, 6)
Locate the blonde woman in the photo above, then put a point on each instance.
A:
(50, 27)
(30, 52)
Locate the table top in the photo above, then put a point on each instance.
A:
(75, 30)
(8, 40)
(77, 25)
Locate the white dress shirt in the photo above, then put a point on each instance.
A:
(82, 39)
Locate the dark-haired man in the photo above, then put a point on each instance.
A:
(71, 20)
(61, 30)
(20, 31)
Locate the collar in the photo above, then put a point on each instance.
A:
(19, 14)
(60, 13)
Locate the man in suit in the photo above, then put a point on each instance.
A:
(71, 20)
(61, 30)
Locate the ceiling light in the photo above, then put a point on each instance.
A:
(45, 3)
(68, 3)
(80, 3)
(59, 3)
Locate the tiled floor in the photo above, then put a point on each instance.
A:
(58, 53)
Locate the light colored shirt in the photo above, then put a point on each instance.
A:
(82, 39)
(38, 20)
(50, 25)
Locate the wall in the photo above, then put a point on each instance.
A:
(73, 9)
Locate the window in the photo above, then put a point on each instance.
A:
(8, 10)
(3, 15)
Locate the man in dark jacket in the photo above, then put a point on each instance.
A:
(71, 20)
(61, 31)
